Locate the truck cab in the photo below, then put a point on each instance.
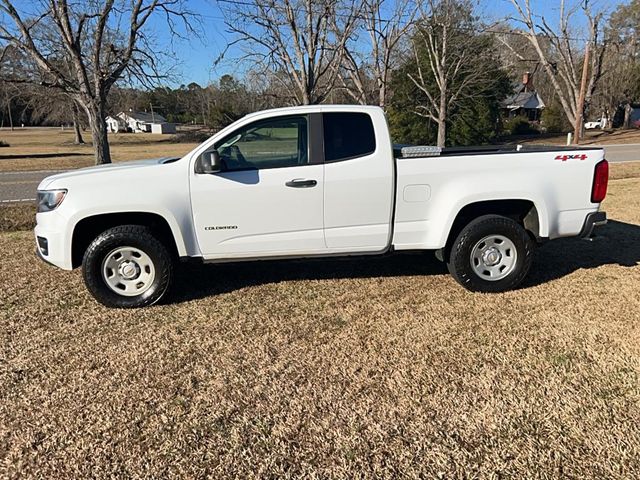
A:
(309, 183)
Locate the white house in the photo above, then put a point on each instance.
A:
(138, 122)
(115, 124)
(524, 101)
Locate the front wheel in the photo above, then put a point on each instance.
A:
(127, 267)
(491, 254)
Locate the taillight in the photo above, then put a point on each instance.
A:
(600, 181)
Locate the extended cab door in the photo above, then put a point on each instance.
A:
(359, 180)
(267, 200)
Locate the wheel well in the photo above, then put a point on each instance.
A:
(87, 229)
(522, 211)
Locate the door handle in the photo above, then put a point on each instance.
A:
(301, 183)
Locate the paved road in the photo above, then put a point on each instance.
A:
(622, 153)
(18, 187)
(21, 186)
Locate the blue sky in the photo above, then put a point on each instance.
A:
(196, 56)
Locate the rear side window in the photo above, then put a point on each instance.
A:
(347, 135)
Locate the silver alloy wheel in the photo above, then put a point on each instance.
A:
(493, 257)
(128, 271)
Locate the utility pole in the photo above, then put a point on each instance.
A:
(583, 92)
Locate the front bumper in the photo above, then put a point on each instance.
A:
(592, 220)
(42, 257)
(52, 245)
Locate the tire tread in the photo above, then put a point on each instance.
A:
(126, 234)
(459, 265)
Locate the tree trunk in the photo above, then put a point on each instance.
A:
(442, 132)
(10, 116)
(98, 126)
(382, 96)
(76, 124)
(442, 119)
(626, 124)
(580, 109)
(306, 97)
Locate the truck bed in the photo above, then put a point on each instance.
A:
(555, 180)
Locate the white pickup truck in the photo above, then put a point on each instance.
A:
(310, 182)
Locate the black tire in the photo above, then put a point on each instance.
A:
(460, 257)
(138, 237)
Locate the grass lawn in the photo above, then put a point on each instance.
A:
(592, 137)
(375, 367)
(52, 148)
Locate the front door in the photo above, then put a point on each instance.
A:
(268, 198)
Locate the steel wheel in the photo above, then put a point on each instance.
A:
(128, 271)
(493, 257)
(491, 253)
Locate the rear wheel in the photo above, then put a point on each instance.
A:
(127, 267)
(491, 254)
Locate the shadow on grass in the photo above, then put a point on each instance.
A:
(195, 281)
(43, 155)
(618, 244)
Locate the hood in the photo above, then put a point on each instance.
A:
(60, 178)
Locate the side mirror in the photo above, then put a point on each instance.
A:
(209, 162)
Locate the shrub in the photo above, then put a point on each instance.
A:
(519, 126)
(554, 119)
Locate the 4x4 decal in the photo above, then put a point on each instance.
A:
(577, 156)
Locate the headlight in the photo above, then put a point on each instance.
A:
(50, 199)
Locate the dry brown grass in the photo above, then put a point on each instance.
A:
(592, 137)
(17, 216)
(618, 171)
(376, 367)
(52, 148)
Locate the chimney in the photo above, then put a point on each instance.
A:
(527, 82)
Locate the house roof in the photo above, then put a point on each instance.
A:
(517, 87)
(144, 117)
(526, 100)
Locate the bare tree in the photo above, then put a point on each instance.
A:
(620, 87)
(54, 107)
(369, 70)
(77, 49)
(449, 60)
(8, 95)
(562, 62)
(305, 39)
(77, 132)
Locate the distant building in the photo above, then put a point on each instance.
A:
(115, 124)
(524, 101)
(163, 127)
(139, 122)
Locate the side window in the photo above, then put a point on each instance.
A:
(347, 135)
(272, 143)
